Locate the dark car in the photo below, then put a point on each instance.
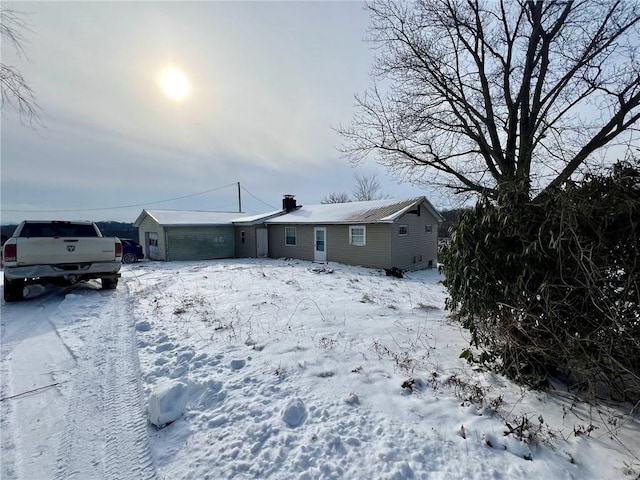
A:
(131, 251)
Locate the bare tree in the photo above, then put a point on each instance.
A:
(16, 92)
(482, 96)
(336, 197)
(367, 187)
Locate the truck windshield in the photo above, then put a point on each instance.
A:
(58, 230)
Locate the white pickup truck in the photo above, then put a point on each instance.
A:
(58, 252)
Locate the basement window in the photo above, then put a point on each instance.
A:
(358, 235)
(290, 236)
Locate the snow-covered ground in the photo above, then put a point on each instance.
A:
(277, 369)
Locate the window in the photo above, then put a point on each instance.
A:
(242, 236)
(427, 229)
(358, 236)
(290, 236)
(58, 229)
(403, 230)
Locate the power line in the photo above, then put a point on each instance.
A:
(265, 203)
(122, 206)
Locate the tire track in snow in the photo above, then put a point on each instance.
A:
(14, 313)
(21, 322)
(127, 433)
(105, 433)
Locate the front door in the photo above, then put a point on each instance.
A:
(320, 244)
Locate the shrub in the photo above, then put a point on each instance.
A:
(553, 285)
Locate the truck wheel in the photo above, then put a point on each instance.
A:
(109, 283)
(129, 258)
(13, 290)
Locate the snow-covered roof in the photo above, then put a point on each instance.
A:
(375, 211)
(254, 219)
(189, 217)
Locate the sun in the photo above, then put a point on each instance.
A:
(174, 84)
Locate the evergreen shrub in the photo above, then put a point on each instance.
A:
(551, 287)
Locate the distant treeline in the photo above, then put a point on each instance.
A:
(108, 229)
(118, 229)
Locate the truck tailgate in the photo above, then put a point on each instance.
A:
(35, 251)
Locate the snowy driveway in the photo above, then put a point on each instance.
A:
(71, 405)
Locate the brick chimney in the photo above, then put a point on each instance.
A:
(289, 203)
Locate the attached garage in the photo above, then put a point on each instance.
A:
(172, 235)
(200, 243)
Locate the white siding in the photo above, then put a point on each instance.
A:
(149, 225)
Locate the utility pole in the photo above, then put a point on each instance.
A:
(239, 199)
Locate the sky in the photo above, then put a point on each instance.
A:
(264, 83)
